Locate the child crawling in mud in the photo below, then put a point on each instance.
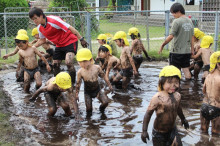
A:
(166, 103)
(210, 109)
(205, 52)
(137, 47)
(89, 74)
(27, 55)
(54, 89)
(127, 63)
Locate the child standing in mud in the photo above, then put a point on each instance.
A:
(137, 47)
(89, 74)
(27, 54)
(166, 103)
(102, 39)
(205, 52)
(127, 63)
(210, 109)
(54, 89)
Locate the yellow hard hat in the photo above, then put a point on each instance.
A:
(63, 80)
(23, 37)
(214, 58)
(109, 48)
(34, 31)
(206, 41)
(121, 35)
(84, 54)
(102, 37)
(133, 30)
(198, 33)
(22, 31)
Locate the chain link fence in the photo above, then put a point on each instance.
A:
(154, 26)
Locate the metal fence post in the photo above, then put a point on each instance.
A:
(6, 37)
(147, 32)
(88, 32)
(216, 30)
(167, 25)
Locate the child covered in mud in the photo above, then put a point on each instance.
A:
(102, 39)
(197, 63)
(210, 109)
(137, 47)
(127, 63)
(166, 103)
(205, 52)
(89, 74)
(27, 54)
(111, 61)
(54, 89)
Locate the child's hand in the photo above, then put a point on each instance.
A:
(5, 57)
(84, 43)
(185, 123)
(149, 59)
(48, 68)
(145, 136)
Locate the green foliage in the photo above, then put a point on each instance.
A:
(12, 3)
(73, 5)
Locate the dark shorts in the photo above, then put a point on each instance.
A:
(138, 59)
(179, 60)
(165, 139)
(92, 93)
(206, 67)
(53, 97)
(31, 72)
(128, 72)
(50, 52)
(60, 52)
(209, 112)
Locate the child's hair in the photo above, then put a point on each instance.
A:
(163, 79)
(103, 48)
(176, 7)
(135, 36)
(36, 11)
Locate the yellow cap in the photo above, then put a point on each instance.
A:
(22, 37)
(84, 54)
(121, 35)
(109, 35)
(198, 33)
(34, 31)
(214, 59)
(109, 48)
(102, 37)
(63, 80)
(133, 30)
(22, 31)
(206, 41)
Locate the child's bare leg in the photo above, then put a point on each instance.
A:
(177, 141)
(125, 82)
(51, 105)
(103, 98)
(204, 124)
(88, 102)
(63, 103)
(70, 66)
(186, 73)
(38, 79)
(216, 126)
(27, 82)
(196, 71)
(56, 67)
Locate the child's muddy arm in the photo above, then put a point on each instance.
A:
(145, 53)
(102, 75)
(12, 53)
(39, 91)
(78, 84)
(197, 54)
(42, 58)
(146, 121)
(21, 60)
(192, 45)
(40, 42)
(204, 88)
(182, 117)
(34, 41)
(132, 63)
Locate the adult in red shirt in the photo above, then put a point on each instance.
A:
(62, 34)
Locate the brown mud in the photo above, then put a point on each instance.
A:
(121, 124)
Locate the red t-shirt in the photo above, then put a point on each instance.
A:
(56, 30)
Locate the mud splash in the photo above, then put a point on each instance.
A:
(121, 124)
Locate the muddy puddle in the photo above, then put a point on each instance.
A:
(121, 124)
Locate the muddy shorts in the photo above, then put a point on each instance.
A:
(165, 139)
(31, 72)
(53, 97)
(209, 112)
(60, 52)
(128, 72)
(50, 52)
(199, 63)
(138, 59)
(206, 67)
(92, 93)
(179, 60)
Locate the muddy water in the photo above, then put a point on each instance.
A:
(121, 124)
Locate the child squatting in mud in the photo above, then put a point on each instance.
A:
(166, 103)
(89, 74)
(54, 89)
(27, 54)
(210, 109)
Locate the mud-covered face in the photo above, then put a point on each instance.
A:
(84, 64)
(171, 86)
(101, 42)
(118, 42)
(36, 36)
(22, 44)
(103, 54)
